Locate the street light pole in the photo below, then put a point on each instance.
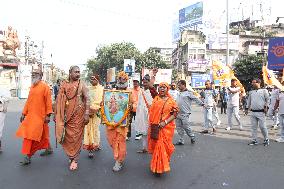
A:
(227, 30)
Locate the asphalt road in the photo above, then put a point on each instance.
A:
(223, 160)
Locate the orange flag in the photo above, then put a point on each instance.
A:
(270, 79)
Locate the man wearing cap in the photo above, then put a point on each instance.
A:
(35, 118)
(91, 140)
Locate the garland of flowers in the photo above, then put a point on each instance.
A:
(113, 124)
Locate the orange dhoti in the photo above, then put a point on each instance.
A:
(117, 140)
(30, 146)
(161, 149)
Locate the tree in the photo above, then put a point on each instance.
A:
(113, 56)
(151, 59)
(248, 68)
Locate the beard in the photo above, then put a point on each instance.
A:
(35, 80)
(122, 85)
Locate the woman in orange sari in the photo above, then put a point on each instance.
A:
(162, 113)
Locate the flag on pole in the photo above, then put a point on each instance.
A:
(224, 74)
(270, 79)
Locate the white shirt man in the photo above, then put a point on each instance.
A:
(233, 104)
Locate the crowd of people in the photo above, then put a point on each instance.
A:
(154, 113)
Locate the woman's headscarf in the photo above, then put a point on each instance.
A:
(165, 84)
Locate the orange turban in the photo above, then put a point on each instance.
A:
(165, 84)
(122, 75)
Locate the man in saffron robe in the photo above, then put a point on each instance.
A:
(116, 136)
(72, 114)
(92, 130)
(162, 113)
(35, 118)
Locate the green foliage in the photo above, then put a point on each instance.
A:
(113, 56)
(248, 68)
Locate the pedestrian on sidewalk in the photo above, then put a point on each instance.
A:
(233, 104)
(35, 118)
(4, 99)
(91, 141)
(258, 103)
(184, 101)
(145, 99)
(209, 97)
(279, 107)
(71, 115)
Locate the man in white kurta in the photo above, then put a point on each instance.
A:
(145, 98)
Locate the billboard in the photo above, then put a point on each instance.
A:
(129, 66)
(219, 41)
(111, 75)
(276, 53)
(163, 75)
(198, 80)
(197, 65)
(176, 34)
(191, 15)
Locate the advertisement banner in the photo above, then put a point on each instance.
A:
(276, 53)
(163, 75)
(111, 75)
(219, 41)
(198, 80)
(197, 65)
(191, 15)
(129, 66)
(175, 31)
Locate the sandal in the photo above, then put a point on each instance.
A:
(73, 165)
(91, 155)
(143, 151)
(26, 161)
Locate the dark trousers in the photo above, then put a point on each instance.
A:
(223, 107)
(132, 116)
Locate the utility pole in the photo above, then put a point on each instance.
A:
(227, 30)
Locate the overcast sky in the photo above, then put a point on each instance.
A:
(72, 29)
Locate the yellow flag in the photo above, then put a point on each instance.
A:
(224, 74)
(270, 79)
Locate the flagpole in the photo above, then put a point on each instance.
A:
(227, 30)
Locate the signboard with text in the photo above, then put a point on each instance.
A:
(276, 53)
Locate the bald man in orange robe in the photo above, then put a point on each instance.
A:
(35, 118)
